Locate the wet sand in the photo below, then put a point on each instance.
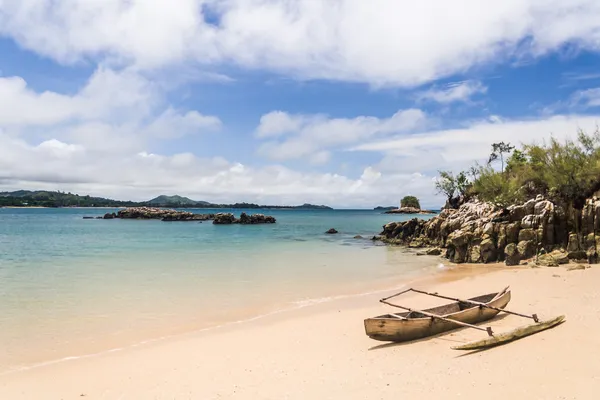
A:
(322, 352)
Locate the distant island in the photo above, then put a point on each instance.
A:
(54, 199)
(382, 208)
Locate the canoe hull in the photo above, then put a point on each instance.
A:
(390, 329)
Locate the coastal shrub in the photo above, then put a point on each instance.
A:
(410, 201)
(451, 185)
(567, 172)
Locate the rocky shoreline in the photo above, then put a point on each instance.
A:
(169, 215)
(537, 231)
(409, 210)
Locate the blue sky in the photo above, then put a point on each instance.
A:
(343, 102)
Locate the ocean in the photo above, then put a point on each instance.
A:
(71, 287)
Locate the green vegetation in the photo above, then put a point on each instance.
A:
(450, 185)
(27, 198)
(410, 201)
(566, 172)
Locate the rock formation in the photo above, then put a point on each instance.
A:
(245, 219)
(331, 231)
(161, 213)
(409, 210)
(168, 215)
(480, 232)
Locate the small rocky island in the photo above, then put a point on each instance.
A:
(408, 205)
(169, 215)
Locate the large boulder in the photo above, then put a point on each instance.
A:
(526, 248)
(527, 234)
(488, 251)
(475, 254)
(516, 213)
(512, 232)
(511, 255)
(553, 259)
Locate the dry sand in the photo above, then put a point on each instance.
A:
(322, 352)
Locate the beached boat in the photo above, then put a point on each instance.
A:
(415, 324)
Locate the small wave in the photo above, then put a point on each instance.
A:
(296, 305)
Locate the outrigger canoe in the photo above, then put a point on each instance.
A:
(415, 324)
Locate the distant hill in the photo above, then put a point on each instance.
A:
(176, 201)
(41, 198)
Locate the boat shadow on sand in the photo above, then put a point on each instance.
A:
(442, 336)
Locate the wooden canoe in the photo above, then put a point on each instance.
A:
(413, 325)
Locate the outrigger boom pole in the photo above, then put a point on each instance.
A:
(534, 317)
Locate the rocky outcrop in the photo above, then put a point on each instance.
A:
(162, 214)
(481, 232)
(409, 210)
(245, 219)
(331, 231)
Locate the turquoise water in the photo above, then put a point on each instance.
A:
(70, 286)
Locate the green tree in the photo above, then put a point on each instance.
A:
(410, 201)
(498, 151)
(446, 184)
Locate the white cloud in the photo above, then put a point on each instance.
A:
(115, 109)
(277, 123)
(142, 175)
(108, 94)
(382, 42)
(455, 92)
(586, 98)
(457, 149)
(310, 135)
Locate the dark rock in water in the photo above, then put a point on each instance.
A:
(89, 217)
(253, 219)
(224, 219)
(358, 237)
(99, 217)
(109, 216)
(331, 231)
(187, 217)
(245, 219)
(162, 214)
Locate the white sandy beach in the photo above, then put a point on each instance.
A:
(322, 352)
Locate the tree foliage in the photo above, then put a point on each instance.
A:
(450, 185)
(498, 151)
(410, 201)
(568, 172)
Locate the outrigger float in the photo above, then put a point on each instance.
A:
(417, 324)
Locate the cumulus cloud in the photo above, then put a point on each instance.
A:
(144, 175)
(381, 42)
(455, 92)
(121, 109)
(107, 94)
(309, 135)
(457, 149)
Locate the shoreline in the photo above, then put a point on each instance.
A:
(450, 273)
(323, 352)
(343, 292)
